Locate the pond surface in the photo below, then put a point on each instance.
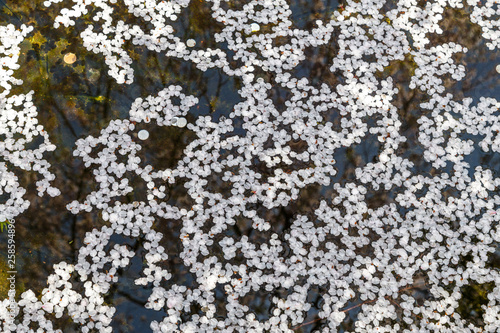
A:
(79, 99)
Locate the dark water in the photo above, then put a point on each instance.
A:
(78, 100)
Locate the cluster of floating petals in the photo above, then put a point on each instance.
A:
(349, 251)
(19, 128)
